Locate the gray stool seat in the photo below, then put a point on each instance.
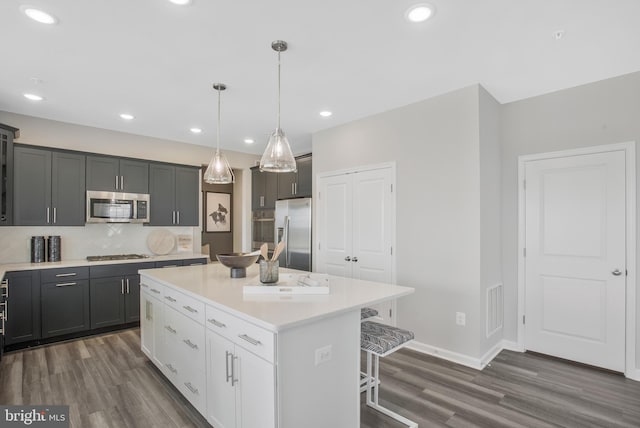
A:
(380, 338)
(367, 313)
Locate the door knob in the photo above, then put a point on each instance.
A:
(355, 260)
(616, 272)
(347, 259)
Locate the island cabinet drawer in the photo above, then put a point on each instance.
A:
(251, 337)
(155, 290)
(64, 274)
(187, 305)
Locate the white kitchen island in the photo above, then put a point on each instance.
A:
(258, 361)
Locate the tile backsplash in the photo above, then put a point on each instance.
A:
(90, 240)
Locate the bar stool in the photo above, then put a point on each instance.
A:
(379, 340)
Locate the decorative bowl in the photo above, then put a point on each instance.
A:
(238, 262)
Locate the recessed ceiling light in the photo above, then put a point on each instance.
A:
(126, 116)
(325, 113)
(195, 130)
(180, 2)
(248, 141)
(419, 12)
(33, 97)
(38, 15)
(558, 34)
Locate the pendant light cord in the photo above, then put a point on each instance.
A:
(278, 89)
(218, 129)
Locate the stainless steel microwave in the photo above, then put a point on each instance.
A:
(114, 207)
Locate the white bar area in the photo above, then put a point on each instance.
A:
(258, 360)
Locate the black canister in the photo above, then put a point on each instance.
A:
(37, 249)
(54, 250)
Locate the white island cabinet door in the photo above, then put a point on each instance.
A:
(221, 395)
(146, 325)
(255, 390)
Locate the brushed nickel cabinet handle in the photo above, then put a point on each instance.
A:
(250, 339)
(190, 344)
(66, 284)
(191, 387)
(61, 275)
(190, 309)
(168, 327)
(217, 323)
(171, 299)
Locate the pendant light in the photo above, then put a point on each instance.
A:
(219, 171)
(278, 157)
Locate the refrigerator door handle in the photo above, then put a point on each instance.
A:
(287, 255)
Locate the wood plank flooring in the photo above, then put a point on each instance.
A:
(108, 382)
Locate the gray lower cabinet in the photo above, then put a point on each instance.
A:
(112, 174)
(22, 322)
(49, 187)
(64, 301)
(115, 293)
(174, 193)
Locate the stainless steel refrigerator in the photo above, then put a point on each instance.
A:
(293, 226)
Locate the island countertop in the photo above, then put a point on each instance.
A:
(212, 284)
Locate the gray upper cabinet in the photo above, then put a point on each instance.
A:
(296, 184)
(68, 189)
(113, 174)
(49, 187)
(7, 135)
(174, 195)
(264, 189)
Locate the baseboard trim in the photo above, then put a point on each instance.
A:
(633, 374)
(462, 359)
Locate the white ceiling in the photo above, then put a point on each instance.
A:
(157, 60)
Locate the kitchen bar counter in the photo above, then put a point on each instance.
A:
(213, 284)
(258, 361)
(14, 267)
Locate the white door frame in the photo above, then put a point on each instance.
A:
(363, 168)
(630, 158)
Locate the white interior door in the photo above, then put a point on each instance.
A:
(335, 220)
(575, 273)
(355, 228)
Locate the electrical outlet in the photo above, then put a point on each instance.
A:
(323, 354)
(461, 318)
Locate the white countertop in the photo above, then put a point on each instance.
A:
(212, 284)
(11, 267)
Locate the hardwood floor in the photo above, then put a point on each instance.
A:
(108, 382)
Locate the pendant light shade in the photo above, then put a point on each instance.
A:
(278, 156)
(219, 171)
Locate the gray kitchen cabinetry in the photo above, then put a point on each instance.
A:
(296, 184)
(115, 293)
(64, 301)
(49, 187)
(264, 189)
(174, 195)
(22, 322)
(114, 174)
(177, 263)
(7, 135)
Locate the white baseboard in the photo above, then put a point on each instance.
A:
(462, 359)
(633, 374)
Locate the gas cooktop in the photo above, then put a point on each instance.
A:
(116, 257)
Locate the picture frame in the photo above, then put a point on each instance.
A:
(218, 212)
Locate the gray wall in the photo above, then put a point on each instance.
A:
(604, 112)
(435, 144)
(490, 206)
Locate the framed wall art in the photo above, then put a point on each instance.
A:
(218, 212)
